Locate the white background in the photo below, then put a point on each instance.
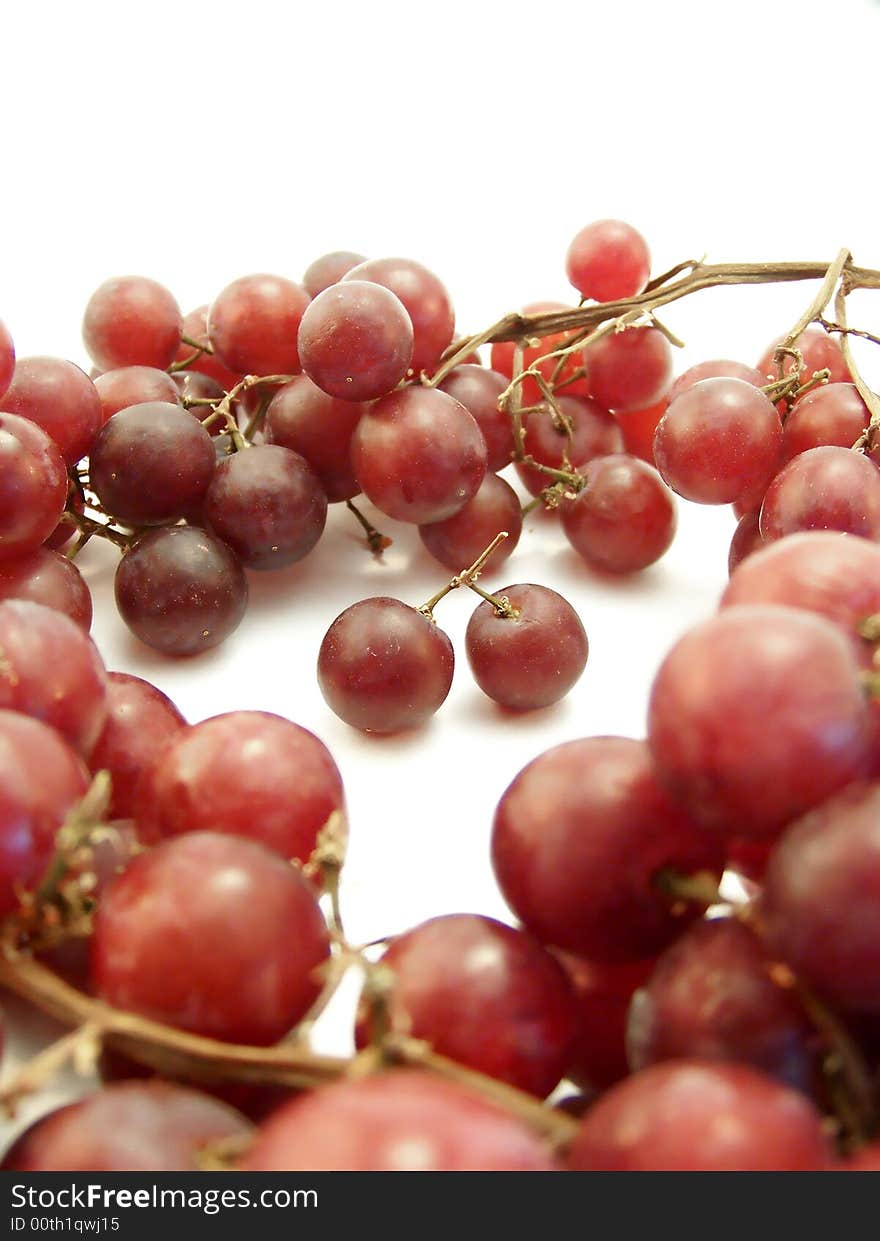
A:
(198, 142)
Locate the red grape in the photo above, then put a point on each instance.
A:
(458, 540)
(135, 385)
(695, 1116)
(51, 579)
(602, 993)
(246, 773)
(141, 722)
(478, 390)
(713, 996)
(52, 671)
(835, 575)
(821, 898)
(624, 519)
(746, 539)
(151, 464)
(425, 300)
(319, 427)
(180, 590)
(418, 455)
(756, 715)
(717, 368)
(195, 326)
(832, 414)
(355, 341)
(719, 440)
(485, 995)
(253, 325)
(828, 488)
(41, 779)
(532, 657)
(213, 934)
(398, 1121)
(594, 432)
(151, 1126)
(608, 261)
(383, 666)
(329, 269)
(578, 841)
(61, 399)
(638, 427)
(503, 353)
(819, 351)
(267, 505)
(630, 369)
(132, 321)
(7, 358)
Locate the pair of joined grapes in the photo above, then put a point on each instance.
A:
(384, 665)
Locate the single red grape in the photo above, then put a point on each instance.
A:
(719, 440)
(398, 1121)
(624, 519)
(132, 321)
(195, 326)
(141, 722)
(485, 995)
(150, 1126)
(7, 358)
(459, 540)
(608, 261)
(319, 427)
(531, 657)
(716, 368)
(629, 369)
(51, 670)
(41, 779)
(33, 486)
(592, 432)
(49, 578)
(418, 455)
(478, 389)
(503, 354)
(579, 839)
(602, 994)
(213, 934)
(696, 1116)
(329, 269)
(247, 773)
(425, 299)
(834, 575)
(714, 995)
(746, 539)
(638, 427)
(355, 341)
(819, 350)
(180, 590)
(832, 414)
(267, 505)
(253, 325)
(757, 715)
(828, 488)
(383, 666)
(61, 399)
(135, 385)
(820, 904)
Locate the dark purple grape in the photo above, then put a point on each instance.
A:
(180, 590)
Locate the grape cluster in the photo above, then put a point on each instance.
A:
(697, 940)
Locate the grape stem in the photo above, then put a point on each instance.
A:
(680, 281)
(177, 1053)
(466, 578)
(376, 540)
